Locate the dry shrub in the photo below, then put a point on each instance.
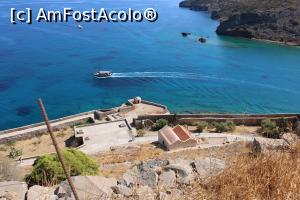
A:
(268, 176)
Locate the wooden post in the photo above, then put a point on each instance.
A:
(60, 157)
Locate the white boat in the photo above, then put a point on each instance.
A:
(103, 74)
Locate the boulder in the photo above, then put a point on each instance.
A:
(131, 176)
(5, 195)
(290, 138)
(151, 164)
(173, 194)
(206, 167)
(37, 192)
(263, 145)
(13, 189)
(183, 169)
(167, 179)
(91, 187)
(144, 174)
(60, 192)
(149, 178)
(145, 193)
(122, 190)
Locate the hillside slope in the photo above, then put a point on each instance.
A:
(274, 20)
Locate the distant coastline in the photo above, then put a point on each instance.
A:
(276, 22)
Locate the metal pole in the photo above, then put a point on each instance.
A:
(44, 113)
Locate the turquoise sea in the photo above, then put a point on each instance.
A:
(55, 61)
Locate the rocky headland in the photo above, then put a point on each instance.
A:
(272, 20)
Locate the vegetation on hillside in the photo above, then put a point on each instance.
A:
(201, 126)
(47, 169)
(266, 176)
(221, 127)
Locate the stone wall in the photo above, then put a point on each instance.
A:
(245, 119)
(42, 131)
(42, 123)
(155, 104)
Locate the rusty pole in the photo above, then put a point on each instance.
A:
(44, 113)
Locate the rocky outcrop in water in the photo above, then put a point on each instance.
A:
(274, 20)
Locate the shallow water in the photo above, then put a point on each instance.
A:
(56, 61)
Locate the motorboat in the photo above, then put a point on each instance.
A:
(103, 74)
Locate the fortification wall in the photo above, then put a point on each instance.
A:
(38, 132)
(245, 119)
(42, 123)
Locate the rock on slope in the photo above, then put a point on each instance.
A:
(274, 20)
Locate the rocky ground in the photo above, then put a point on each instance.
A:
(157, 175)
(272, 20)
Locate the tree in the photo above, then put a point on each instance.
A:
(160, 124)
(47, 170)
(201, 126)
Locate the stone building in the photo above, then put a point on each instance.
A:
(176, 138)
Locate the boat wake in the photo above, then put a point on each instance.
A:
(194, 76)
(157, 75)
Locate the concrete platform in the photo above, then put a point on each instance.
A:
(100, 137)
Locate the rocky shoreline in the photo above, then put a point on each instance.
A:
(274, 21)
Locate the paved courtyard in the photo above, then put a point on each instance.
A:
(101, 137)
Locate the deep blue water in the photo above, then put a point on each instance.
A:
(56, 61)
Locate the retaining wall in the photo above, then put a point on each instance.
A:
(245, 119)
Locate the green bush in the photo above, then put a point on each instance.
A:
(47, 169)
(160, 124)
(269, 129)
(14, 152)
(284, 125)
(201, 126)
(224, 126)
(141, 132)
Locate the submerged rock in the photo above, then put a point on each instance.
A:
(185, 34)
(202, 40)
